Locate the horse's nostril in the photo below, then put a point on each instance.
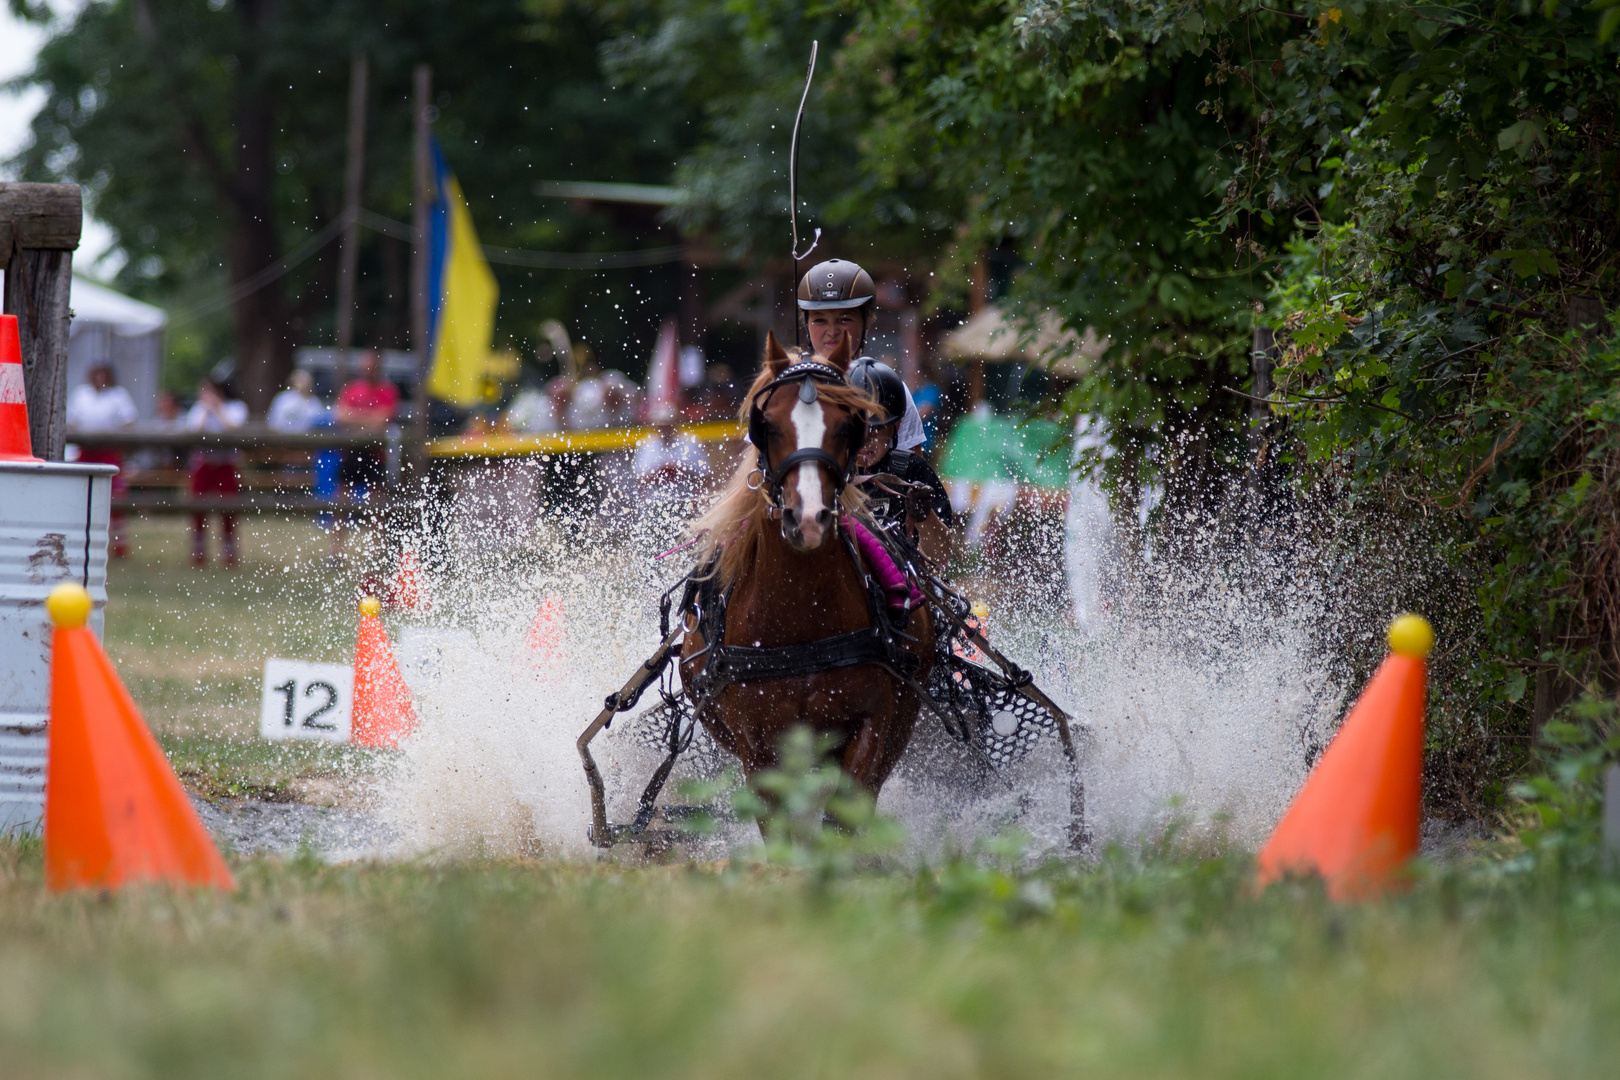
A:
(823, 517)
(790, 517)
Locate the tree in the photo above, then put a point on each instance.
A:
(211, 137)
(1448, 335)
(1091, 139)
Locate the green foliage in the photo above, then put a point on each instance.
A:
(165, 110)
(740, 68)
(1561, 835)
(1149, 964)
(1443, 350)
(1088, 137)
(812, 815)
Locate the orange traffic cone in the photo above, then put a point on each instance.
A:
(1355, 821)
(408, 593)
(15, 443)
(383, 714)
(546, 632)
(115, 814)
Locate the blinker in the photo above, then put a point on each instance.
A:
(807, 391)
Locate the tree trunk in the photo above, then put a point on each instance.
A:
(264, 348)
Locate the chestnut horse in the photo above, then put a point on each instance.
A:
(775, 538)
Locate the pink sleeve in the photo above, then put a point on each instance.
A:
(901, 592)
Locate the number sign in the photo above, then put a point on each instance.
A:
(306, 701)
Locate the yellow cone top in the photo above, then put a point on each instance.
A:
(1411, 635)
(68, 605)
(369, 606)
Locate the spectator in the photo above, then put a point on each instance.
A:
(670, 465)
(213, 471)
(621, 399)
(169, 411)
(170, 417)
(587, 408)
(367, 403)
(927, 398)
(561, 392)
(100, 404)
(532, 411)
(296, 409)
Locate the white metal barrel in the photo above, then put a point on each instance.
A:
(53, 528)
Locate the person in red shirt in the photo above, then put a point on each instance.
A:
(370, 401)
(367, 403)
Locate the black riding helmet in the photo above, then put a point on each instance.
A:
(883, 384)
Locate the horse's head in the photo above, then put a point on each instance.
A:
(807, 425)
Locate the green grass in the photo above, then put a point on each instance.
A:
(1157, 964)
(1139, 968)
(191, 644)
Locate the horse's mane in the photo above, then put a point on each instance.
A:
(734, 524)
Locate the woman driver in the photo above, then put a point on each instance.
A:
(838, 297)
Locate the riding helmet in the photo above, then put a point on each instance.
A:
(881, 382)
(834, 285)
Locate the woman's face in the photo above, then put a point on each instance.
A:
(826, 326)
(879, 441)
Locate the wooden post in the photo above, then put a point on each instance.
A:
(39, 230)
(978, 297)
(419, 260)
(353, 184)
(1262, 359)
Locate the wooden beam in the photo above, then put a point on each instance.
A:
(46, 217)
(37, 288)
(39, 229)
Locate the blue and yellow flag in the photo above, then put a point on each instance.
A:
(461, 295)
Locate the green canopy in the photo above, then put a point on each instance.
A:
(983, 448)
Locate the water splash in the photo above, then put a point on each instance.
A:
(1204, 689)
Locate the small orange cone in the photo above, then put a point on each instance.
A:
(115, 814)
(15, 443)
(408, 593)
(1355, 822)
(546, 632)
(383, 714)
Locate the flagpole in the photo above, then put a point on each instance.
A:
(419, 257)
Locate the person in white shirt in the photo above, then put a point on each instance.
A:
(670, 465)
(532, 412)
(213, 472)
(100, 404)
(296, 409)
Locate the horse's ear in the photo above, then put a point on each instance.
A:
(840, 356)
(776, 357)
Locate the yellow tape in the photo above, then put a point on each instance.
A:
(571, 442)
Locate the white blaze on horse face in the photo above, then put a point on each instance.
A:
(809, 428)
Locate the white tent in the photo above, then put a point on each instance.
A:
(993, 338)
(111, 328)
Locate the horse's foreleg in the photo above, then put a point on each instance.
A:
(871, 755)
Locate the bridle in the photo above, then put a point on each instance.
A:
(806, 374)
